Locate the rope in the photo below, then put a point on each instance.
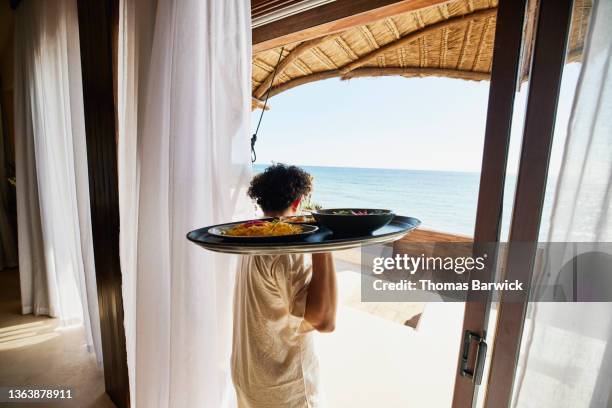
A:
(263, 110)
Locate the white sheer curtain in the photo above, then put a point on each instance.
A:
(56, 263)
(184, 92)
(567, 355)
(137, 21)
(8, 247)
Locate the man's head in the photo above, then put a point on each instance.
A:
(280, 188)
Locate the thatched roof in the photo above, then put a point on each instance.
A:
(454, 39)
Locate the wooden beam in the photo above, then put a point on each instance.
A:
(319, 76)
(413, 72)
(331, 18)
(416, 35)
(377, 72)
(549, 55)
(504, 77)
(258, 104)
(96, 21)
(284, 63)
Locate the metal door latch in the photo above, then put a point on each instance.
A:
(481, 353)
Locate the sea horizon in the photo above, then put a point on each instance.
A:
(263, 165)
(443, 200)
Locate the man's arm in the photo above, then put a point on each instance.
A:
(322, 298)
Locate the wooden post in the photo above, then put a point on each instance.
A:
(97, 22)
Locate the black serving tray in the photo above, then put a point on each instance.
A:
(323, 240)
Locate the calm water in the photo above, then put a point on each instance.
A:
(444, 201)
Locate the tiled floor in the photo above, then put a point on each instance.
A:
(36, 352)
(371, 356)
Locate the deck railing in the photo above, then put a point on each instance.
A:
(419, 236)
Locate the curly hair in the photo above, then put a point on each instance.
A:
(278, 186)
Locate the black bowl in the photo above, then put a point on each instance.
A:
(346, 221)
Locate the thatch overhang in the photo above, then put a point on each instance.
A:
(453, 39)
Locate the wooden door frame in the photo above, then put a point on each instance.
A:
(554, 19)
(97, 35)
(502, 90)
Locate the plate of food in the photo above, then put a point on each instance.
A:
(308, 239)
(262, 229)
(353, 220)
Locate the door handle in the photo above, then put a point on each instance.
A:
(481, 354)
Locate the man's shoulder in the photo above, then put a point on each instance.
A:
(275, 264)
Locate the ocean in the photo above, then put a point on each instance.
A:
(444, 201)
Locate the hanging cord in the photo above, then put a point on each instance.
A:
(263, 110)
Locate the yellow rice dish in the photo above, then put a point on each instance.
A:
(261, 228)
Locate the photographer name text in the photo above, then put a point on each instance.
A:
(425, 284)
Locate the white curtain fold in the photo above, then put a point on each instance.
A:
(566, 360)
(137, 21)
(184, 162)
(56, 263)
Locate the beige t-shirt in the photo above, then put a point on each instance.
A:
(273, 361)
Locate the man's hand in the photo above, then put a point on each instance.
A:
(322, 298)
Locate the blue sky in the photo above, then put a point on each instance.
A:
(392, 122)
